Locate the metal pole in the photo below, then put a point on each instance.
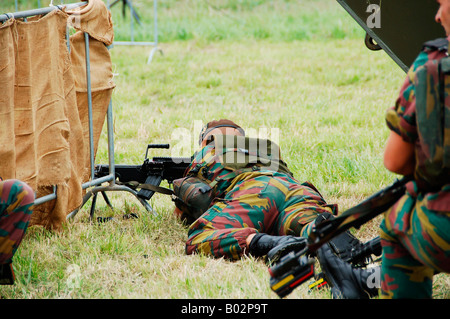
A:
(155, 14)
(155, 23)
(46, 198)
(45, 10)
(89, 96)
(110, 129)
(131, 23)
(97, 181)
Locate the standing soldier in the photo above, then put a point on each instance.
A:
(16, 205)
(415, 232)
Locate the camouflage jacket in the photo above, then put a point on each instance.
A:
(413, 106)
(211, 168)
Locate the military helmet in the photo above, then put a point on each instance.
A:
(217, 124)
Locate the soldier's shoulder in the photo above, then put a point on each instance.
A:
(439, 44)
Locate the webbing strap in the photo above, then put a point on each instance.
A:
(150, 187)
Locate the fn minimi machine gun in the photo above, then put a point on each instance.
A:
(151, 172)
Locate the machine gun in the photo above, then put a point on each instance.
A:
(297, 267)
(151, 173)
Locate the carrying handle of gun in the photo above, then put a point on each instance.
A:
(156, 146)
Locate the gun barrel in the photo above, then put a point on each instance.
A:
(125, 173)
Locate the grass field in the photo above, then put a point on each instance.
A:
(294, 71)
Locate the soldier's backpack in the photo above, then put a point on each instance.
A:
(432, 84)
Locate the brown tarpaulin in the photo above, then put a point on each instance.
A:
(95, 20)
(44, 133)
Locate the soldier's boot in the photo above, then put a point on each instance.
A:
(346, 281)
(6, 274)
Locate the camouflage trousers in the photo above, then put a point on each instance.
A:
(271, 203)
(16, 204)
(416, 245)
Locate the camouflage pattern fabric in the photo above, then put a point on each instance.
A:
(415, 232)
(16, 205)
(416, 243)
(433, 123)
(261, 201)
(422, 115)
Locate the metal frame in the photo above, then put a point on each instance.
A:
(93, 182)
(132, 42)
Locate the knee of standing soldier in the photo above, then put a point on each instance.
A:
(25, 193)
(384, 231)
(17, 192)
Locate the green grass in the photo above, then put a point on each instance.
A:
(294, 71)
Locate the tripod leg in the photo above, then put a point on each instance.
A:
(94, 201)
(133, 12)
(112, 4)
(108, 202)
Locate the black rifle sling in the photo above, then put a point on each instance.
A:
(357, 215)
(158, 189)
(150, 187)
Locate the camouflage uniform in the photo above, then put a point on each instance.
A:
(263, 201)
(16, 204)
(416, 230)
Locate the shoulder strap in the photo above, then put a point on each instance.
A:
(150, 187)
(438, 44)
